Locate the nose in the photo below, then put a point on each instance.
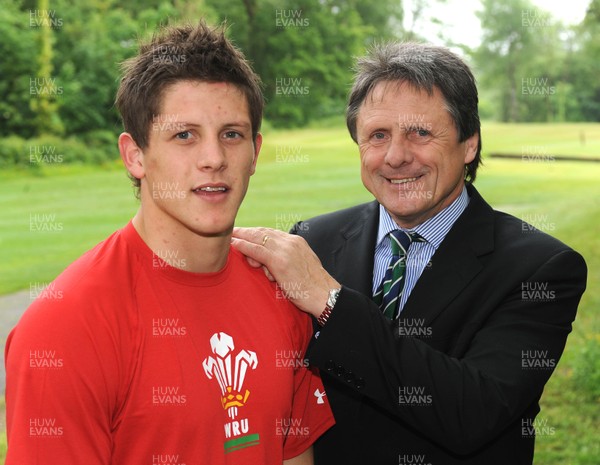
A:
(399, 151)
(211, 154)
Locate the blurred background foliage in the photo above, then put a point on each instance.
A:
(70, 50)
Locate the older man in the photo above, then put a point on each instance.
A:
(441, 319)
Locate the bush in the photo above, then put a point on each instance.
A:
(12, 151)
(103, 145)
(95, 147)
(586, 375)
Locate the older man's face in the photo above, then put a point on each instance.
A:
(411, 160)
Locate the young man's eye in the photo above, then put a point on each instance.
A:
(184, 135)
(232, 135)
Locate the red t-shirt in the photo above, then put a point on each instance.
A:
(126, 360)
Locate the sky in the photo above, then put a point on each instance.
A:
(462, 26)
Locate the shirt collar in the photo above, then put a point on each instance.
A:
(432, 230)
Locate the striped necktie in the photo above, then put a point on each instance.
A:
(389, 291)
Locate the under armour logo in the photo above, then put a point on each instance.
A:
(319, 396)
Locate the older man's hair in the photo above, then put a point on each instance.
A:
(423, 67)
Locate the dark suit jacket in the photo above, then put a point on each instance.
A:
(457, 378)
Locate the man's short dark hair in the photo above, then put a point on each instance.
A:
(182, 53)
(423, 67)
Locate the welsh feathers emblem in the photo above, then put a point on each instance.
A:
(229, 369)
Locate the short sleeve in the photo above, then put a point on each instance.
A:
(58, 393)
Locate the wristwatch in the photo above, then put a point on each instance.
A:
(331, 300)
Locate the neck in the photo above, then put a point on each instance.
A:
(181, 247)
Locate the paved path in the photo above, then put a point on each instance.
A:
(12, 307)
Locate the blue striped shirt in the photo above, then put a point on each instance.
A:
(419, 254)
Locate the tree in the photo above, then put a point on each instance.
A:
(521, 58)
(585, 64)
(44, 92)
(17, 66)
(304, 50)
(504, 49)
(92, 42)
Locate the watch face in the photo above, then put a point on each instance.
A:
(332, 298)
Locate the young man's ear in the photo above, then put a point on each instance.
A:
(257, 146)
(132, 155)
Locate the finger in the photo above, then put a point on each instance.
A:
(255, 252)
(255, 235)
(253, 263)
(268, 274)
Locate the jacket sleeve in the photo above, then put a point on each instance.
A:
(470, 397)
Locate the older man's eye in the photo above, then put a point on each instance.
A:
(417, 134)
(378, 136)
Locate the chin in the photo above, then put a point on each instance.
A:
(405, 213)
(209, 227)
(403, 206)
(213, 232)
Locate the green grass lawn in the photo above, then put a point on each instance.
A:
(574, 139)
(306, 172)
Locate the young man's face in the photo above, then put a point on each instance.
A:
(411, 159)
(199, 158)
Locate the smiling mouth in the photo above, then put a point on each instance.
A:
(403, 181)
(210, 189)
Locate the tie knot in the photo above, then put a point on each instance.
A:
(401, 240)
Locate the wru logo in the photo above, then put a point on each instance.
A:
(230, 378)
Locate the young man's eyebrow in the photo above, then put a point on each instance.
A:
(187, 124)
(243, 124)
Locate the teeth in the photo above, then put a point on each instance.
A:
(402, 181)
(212, 189)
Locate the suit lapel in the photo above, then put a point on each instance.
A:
(353, 258)
(455, 263)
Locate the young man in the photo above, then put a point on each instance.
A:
(165, 346)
